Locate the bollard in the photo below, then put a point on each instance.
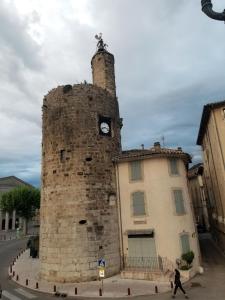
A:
(100, 292)
(75, 290)
(36, 285)
(54, 288)
(171, 285)
(17, 277)
(10, 268)
(13, 273)
(128, 291)
(26, 281)
(156, 289)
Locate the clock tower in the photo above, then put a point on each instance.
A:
(79, 209)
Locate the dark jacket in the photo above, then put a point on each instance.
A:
(177, 277)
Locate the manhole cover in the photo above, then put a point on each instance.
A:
(195, 284)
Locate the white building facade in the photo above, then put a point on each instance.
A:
(156, 217)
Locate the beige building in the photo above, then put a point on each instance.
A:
(198, 196)
(212, 139)
(157, 224)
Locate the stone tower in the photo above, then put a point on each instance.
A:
(79, 213)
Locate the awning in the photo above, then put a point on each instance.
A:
(138, 232)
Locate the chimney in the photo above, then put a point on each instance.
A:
(157, 145)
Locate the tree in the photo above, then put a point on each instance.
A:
(188, 258)
(25, 200)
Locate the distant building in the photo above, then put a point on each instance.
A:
(198, 196)
(10, 221)
(211, 137)
(157, 223)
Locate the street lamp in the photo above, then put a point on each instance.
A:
(207, 9)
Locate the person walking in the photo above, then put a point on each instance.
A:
(178, 284)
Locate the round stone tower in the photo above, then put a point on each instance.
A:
(79, 213)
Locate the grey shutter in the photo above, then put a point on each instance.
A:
(135, 168)
(173, 166)
(138, 202)
(185, 243)
(179, 202)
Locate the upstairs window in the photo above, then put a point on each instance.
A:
(179, 202)
(135, 170)
(185, 244)
(224, 113)
(138, 204)
(174, 166)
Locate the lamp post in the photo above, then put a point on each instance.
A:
(207, 8)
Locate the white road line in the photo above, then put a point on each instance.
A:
(10, 296)
(25, 293)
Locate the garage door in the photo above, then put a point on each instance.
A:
(142, 251)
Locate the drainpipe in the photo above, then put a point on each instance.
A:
(207, 8)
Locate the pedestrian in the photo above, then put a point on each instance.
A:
(178, 284)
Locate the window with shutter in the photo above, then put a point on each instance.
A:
(185, 243)
(135, 171)
(138, 204)
(174, 167)
(179, 202)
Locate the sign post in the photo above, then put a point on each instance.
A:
(101, 270)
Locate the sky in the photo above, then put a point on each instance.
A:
(169, 63)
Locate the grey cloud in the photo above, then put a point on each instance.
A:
(15, 38)
(169, 63)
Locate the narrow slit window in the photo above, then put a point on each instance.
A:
(62, 155)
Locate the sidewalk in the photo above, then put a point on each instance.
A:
(25, 271)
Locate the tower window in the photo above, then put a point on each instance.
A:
(62, 155)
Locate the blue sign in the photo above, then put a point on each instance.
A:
(101, 263)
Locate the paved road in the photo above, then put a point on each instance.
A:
(210, 286)
(12, 291)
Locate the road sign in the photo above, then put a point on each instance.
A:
(101, 273)
(101, 263)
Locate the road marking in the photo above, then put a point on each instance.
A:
(25, 293)
(10, 296)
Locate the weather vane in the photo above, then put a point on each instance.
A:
(100, 45)
(207, 8)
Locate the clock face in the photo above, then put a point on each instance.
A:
(104, 127)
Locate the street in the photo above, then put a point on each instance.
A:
(208, 286)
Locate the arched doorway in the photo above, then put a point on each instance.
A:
(10, 223)
(3, 224)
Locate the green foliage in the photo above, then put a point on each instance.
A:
(188, 257)
(185, 268)
(25, 200)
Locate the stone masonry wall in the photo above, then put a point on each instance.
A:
(79, 219)
(104, 60)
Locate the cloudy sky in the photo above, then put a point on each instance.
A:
(169, 63)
